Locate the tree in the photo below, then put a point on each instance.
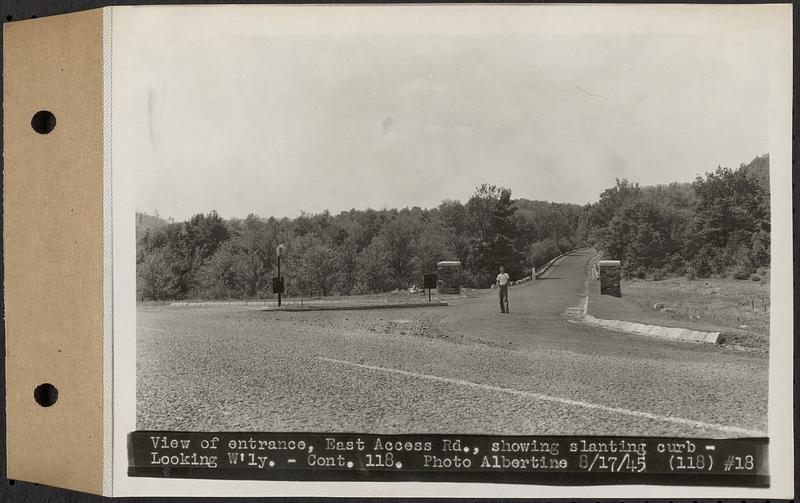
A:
(635, 235)
(481, 209)
(202, 234)
(254, 250)
(728, 201)
(503, 253)
(492, 213)
(373, 266)
(322, 265)
(457, 236)
(542, 252)
(313, 265)
(758, 169)
(760, 248)
(431, 247)
(348, 265)
(399, 236)
(730, 221)
(195, 241)
(155, 278)
(611, 200)
(220, 275)
(454, 215)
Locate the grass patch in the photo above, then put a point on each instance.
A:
(739, 309)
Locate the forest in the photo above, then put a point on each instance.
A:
(717, 225)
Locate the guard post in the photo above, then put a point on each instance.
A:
(610, 273)
(448, 276)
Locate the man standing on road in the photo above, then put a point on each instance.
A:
(502, 282)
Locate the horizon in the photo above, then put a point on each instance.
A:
(514, 198)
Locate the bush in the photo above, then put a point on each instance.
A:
(658, 275)
(721, 262)
(542, 252)
(755, 277)
(702, 262)
(565, 245)
(760, 248)
(639, 272)
(676, 264)
(691, 274)
(360, 288)
(374, 274)
(472, 279)
(156, 279)
(744, 265)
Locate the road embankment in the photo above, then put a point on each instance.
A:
(719, 311)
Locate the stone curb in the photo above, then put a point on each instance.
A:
(355, 307)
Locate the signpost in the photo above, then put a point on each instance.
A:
(278, 285)
(429, 281)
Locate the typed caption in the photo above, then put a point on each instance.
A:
(540, 459)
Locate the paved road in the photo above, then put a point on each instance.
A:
(465, 368)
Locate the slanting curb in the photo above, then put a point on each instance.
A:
(353, 307)
(674, 333)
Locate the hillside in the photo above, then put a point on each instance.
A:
(758, 168)
(145, 222)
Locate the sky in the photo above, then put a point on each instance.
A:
(235, 116)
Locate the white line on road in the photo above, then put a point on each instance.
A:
(557, 399)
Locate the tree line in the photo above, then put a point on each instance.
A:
(354, 252)
(715, 225)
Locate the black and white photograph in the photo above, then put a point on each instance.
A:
(500, 232)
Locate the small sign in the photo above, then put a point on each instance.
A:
(429, 281)
(277, 285)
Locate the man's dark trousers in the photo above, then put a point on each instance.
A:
(503, 298)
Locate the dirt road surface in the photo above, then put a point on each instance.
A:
(465, 368)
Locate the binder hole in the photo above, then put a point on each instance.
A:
(43, 122)
(45, 394)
